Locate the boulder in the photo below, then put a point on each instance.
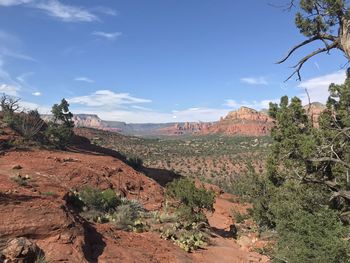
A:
(20, 250)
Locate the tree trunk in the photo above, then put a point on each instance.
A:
(345, 36)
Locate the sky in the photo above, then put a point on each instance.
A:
(157, 60)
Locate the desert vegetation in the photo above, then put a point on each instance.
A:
(213, 159)
(303, 195)
(58, 132)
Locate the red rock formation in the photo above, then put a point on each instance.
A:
(185, 128)
(314, 111)
(244, 121)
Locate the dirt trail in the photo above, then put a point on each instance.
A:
(224, 248)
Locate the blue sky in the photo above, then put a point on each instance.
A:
(154, 60)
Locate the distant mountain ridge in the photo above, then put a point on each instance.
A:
(244, 121)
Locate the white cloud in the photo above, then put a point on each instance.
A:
(66, 13)
(254, 81)
(9, 89)
(14, 2)
(232, 103)
(84, 79)
(55, 8)
(37, 93)
(27, 105)
(105, 10)
(318, 87)
(111, 35)
(257, 105)
(197, 114)
(149, 116)
(107, 99)
(22, 78)
(10, 53)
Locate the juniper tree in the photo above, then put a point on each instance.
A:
(323, 21)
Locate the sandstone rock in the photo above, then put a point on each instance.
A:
(244, 121)
(20, 250)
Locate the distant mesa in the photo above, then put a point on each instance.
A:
(244, 121)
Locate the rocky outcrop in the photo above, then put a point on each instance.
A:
(83, 120)
(314, 111)
(247, 114)
(89, 121)
(245, 121)
(41, 212)
(21, 250)
(185, 128)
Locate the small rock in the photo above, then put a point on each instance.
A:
(17, 167)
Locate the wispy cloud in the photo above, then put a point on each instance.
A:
(10, 46)
(9, 89)
(254, 81)
(110, 36)
(105, 10)
(37, 93)
(107, 99)
(84, 79)
(54, 8)
(318, 87)
(197, 114)
(14, 2)
(22, 78)
(66, 13)
(257, 105)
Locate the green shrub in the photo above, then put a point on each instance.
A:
(60, 130)
(59, 135)
(96, 199)
(247, 186)
(239, 217)
(193, 201)
(187, 236)
(312, 237)
(20, 180)
(126, 213)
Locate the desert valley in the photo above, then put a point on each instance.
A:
(166, 132)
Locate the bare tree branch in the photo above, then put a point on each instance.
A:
(300, 64)
(330, 159)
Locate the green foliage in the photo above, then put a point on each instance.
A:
(104, 206)
(248, 186)
(305, 193)
(61, 114)
(126, 214)
(20, 180)
(193, 200)
(59, 135)
(318, 16)
(135, 162)
(238, 216)
(187, 236)
(210, 158)
(312, 237)
(95, 199)
(60, 130)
